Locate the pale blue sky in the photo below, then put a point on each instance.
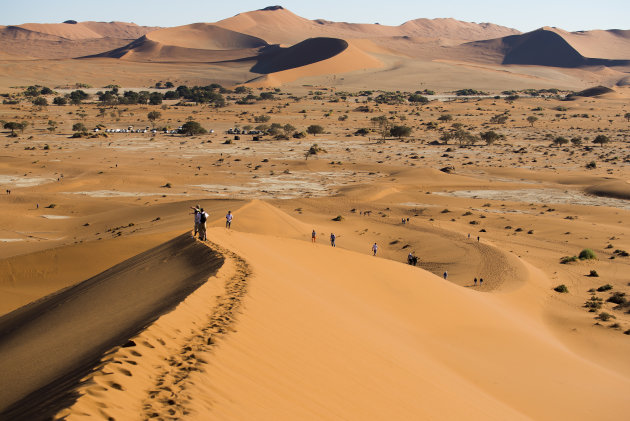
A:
(524, 15)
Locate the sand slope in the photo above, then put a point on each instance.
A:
(329, 334)
(50, 344)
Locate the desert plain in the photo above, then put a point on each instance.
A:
(482, 169)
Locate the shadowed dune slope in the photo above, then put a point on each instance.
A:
(545, 47)
(306, 52)
(198, 42)
(50, 344)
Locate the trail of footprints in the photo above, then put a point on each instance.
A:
(168, 399)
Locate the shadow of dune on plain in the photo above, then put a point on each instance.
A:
(48, 346)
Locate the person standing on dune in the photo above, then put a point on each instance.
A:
(203, 217)
(197, 215)
(228, 220)
(374, 249)
(332, 239)
(313, 236)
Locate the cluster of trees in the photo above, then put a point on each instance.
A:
(112, 97)
(577, 141)
(74, 98)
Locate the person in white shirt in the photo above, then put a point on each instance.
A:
(203, 217)
(374, 249)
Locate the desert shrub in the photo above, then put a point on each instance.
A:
(593, 303)
(604, 317)
(587, 254)
(627, 332)
(618, 298)
(338, 218)
(591, 165)
(603, 288)
(593, 274)
(561, 289)
(621, 253)
(51, 206)
(362, 132)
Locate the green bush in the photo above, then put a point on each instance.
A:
(603, 288)
(587, 254)
(561, 289)
(593, 274)
(618, 298)
(568, 259)
(604, 317)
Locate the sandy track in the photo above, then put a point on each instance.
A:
(61, 337)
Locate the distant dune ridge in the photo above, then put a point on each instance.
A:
(272, 40)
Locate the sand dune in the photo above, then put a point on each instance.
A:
(553, 47)
(280, 26)
(117, 304)
(62, 40)
(332, 334)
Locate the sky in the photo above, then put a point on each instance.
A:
(571, 15)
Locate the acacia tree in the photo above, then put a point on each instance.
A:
(532, 119)
(192, 128)
(400, 131)
(315, 129)
(13, 126)
(627, 116)
(601, 139)
(559, 141)
(154, 115)
(490, 137)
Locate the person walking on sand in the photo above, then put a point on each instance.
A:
(445, 274)
(313, 236)
(332, 239)
(475, 281)
(480, 281)
(374, 249)
(228, 220)
(203, 217)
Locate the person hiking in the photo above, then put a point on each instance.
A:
(374, 249)
(332, 239)
(313, 236)
(228, 220)
(445, 274)
(203, 217)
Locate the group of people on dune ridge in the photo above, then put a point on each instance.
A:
(201, 217)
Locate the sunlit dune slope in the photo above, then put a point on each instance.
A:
(331, 334)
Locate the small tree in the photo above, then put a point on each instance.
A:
(192, 128)
(601, 139)
(532, 119)
(559, 141)
(40, 101)
(79, 128)
(418, 99)
(155, 98)
(22, 126)
(490, 137)
(13, 126)
(445, 117)
(315, 129)
(154, 115)
(627, 116)
(59, 100)
(400, 131)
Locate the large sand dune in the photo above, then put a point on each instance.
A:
(558, 48)
(49, 345)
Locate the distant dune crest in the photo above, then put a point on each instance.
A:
(273, 39)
